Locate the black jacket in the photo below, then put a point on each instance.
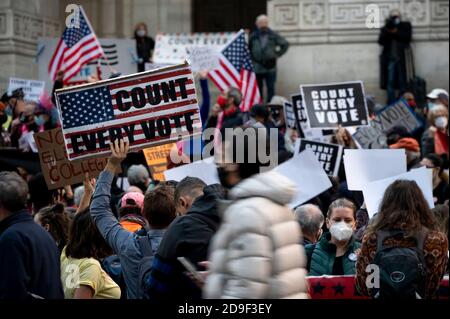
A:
(188, 236)
(403, 40)
(29, 260)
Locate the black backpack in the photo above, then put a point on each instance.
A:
(402, 269)
(145, 265)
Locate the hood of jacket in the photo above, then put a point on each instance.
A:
(270, 185)
(206, 205)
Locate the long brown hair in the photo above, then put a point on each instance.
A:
(59, 222)
(85, 240)
(403, 207)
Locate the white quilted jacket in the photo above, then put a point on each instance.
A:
(256, 252)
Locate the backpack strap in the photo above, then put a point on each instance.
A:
(145, 245)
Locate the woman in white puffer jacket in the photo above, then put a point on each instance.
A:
(256, 252)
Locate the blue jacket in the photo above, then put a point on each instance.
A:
(123, 242)
(29, 260)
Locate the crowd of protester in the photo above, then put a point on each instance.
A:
(106, 240)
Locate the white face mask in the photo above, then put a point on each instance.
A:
(341, 231)
(441, 122)
(141, 33)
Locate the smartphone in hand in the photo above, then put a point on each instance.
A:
(191, 269)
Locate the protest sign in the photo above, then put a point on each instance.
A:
(58, 171)
(397, 114)
(149, 108)
(373, 136)
(32, 89)
(310, 178)
(206, 170)
(312, 134)
(121, 55)
(291, 121)
(365, 166)
(203, 58)
(329, 155)
(171, 48)
(156, 158)
(334, 104)
(374, 191)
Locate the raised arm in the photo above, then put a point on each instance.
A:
(107, 224)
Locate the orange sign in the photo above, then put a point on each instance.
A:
(156, 158)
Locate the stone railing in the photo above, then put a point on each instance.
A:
(343, 21)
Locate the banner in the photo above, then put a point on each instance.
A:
(343, 287)
(331, 105)
(149, 108)
(121, 54)
(397, 114)
(329, 155)
(171, 48)
(58, 171)
(309, 178)
(312, 134)
(156, 158)
(32, 89)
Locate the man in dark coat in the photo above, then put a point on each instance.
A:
(29, 257)
(395, 37)
(188, 236)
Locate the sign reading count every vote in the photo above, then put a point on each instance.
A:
(149, 108)
(331, 105)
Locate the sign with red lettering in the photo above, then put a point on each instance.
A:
(58, 171)
(149, 109)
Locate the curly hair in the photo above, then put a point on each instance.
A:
(58, 221)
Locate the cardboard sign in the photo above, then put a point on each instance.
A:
(312, 134)
(58, 171)
(310, 178)
(365, 166)
(206, 170)
(373, 192)
(203, 58)
(329, 155)
(149, 109)
(156, 158)
(32, 89)
(331, 105)
(121, 55)
(171, 48)
(397, 114)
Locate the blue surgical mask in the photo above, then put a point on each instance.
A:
(39, 120)
(431, 105)
(9, 111)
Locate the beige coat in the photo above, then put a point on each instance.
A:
(256, 252)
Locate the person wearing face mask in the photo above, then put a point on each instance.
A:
(435, 138)
(256, 252)
(404, 227)
(144, 46)
(395, 37)
(337, 251)
(440, 177)
(226, 113)
(266, 46)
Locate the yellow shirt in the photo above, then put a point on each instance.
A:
(87, 272)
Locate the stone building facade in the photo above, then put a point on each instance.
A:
(329, 39)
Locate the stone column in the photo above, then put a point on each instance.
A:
(331, 42)
(21, 24)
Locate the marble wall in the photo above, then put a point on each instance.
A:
(332, 42)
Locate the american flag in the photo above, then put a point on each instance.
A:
(87, 111)
(236, 70)
(77, 46)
